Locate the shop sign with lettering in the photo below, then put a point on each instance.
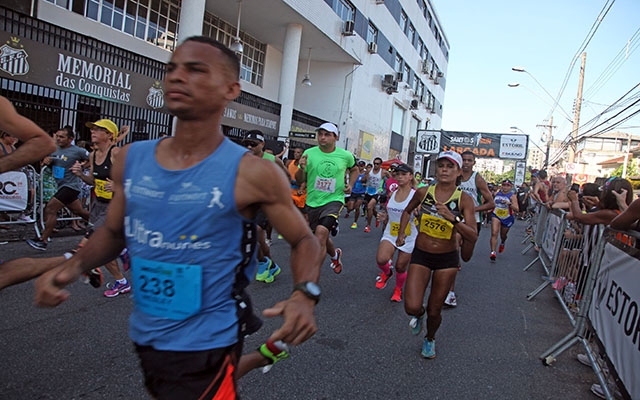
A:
(33, 62)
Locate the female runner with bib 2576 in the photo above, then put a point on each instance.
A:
(444, 211)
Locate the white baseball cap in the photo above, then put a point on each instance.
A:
(452, 156)
(329, 127)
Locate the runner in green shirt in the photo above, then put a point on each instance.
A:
(323, 167)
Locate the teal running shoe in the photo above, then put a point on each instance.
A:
(274, 271)
(415, 323)
(263, 269)
(428, 349)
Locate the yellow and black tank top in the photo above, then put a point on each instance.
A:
(100, 174)
(433, 224)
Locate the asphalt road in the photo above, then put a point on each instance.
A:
(487, 348)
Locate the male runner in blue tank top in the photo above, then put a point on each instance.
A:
(191, 237)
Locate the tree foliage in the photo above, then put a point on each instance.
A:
(632, 169)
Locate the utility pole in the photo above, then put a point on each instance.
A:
(626, 157)
(549, 139)
(576, 115)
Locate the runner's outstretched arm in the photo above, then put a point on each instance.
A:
(36, 144)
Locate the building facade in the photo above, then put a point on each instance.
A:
(377, 68)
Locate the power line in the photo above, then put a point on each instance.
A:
(567, 142)
(585, 43)
(632, 44)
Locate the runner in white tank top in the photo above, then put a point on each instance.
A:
(396, 205)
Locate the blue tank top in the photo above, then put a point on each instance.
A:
(358, 187)
(185, 220)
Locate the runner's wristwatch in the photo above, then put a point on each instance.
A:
(457, 219)
(309, 289)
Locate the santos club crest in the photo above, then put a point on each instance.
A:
(155, 98)
(13, 58)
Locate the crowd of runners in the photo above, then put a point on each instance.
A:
(189, 277)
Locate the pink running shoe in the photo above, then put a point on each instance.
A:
(397, 295)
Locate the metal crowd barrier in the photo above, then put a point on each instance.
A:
(595, 274)
(548, 232)
(530, 230)
(613, 315)
(18, 196)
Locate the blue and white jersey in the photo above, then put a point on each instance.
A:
(189, 246)
(374, 182)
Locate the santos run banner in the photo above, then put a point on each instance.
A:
(494, 145)
(615, 313)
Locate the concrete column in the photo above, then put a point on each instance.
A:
(289, 77)
(191, 19)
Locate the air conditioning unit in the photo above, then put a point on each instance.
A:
(388, 81)
(425, 67)
(392, 89)
(439, 75)
(413, 105)
(373, 47)
(347, 28)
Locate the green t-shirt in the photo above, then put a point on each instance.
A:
(269, 156)
(325, 175)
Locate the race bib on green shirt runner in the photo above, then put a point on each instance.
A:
(325, 175)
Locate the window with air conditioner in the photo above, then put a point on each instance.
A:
(372, 33)
(345, 10)
(347, 28)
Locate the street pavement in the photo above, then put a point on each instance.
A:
(487, 348)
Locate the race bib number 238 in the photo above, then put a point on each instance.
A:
(167, 290)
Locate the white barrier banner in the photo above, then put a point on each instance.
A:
(552, 233)
(14, 190)
(615, 314)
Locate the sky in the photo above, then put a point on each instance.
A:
(488, 38)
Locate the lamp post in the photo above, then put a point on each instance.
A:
(555, 104)
(564, 113)
(521, 69)
(236, 45)
(307, 78)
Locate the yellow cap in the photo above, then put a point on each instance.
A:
(107, 124)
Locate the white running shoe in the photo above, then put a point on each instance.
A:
(584, 359)
(451, 300)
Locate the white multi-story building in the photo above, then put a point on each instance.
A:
(377, 67)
